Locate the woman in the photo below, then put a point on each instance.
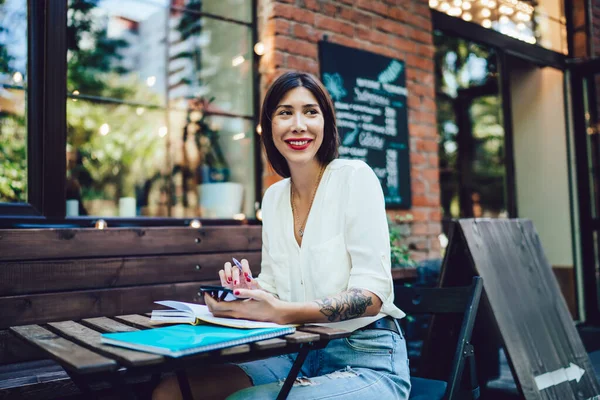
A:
(325, 259)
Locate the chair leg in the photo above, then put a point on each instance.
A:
(469, 384)
(184, 385)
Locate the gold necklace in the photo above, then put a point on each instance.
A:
(301, 229)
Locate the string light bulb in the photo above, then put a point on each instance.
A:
(195, 224)
(101, 224)
(259, 48)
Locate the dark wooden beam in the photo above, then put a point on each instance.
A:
(44, 244)
(28, 277)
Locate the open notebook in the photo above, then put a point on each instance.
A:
(196, 313)
(181, 340)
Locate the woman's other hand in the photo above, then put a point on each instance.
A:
(231, 276)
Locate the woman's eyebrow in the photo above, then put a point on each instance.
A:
(290, 106)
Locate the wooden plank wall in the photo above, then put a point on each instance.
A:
(59, 274)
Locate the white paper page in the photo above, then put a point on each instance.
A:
(203, 313)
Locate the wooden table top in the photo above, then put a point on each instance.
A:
(77, 347)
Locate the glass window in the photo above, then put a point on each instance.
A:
(539, 22)
(13, 94)
(472, 166)
(160, 110)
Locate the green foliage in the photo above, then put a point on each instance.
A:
(125, 156)
(399, 231)
(13, 158)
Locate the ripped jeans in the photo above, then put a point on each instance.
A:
(370, 364)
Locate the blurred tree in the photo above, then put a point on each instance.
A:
(13, 135)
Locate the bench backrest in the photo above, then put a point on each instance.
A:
(60, 274)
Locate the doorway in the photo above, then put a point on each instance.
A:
(585, 89)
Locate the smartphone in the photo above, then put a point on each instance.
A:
(219, 293)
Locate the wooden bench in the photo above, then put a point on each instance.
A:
(53, 275)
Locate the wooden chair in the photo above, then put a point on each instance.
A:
(437, 301)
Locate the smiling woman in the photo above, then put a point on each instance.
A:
(317, 264)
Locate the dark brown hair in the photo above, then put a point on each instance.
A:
(286, 82)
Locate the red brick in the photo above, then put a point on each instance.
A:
(417, 188)
(331, 9)
(420, 214)
(434, 228)
(431, 174)
(420, 229)
(435, 215)
(425, 201)
(293, 13)
(295, 46)
(434, 245)
(418, 159)
(428, 145)
(416, 116)
(373, 36)
(312, 5)
(421, 22)
(390, 26)
(302, 64)
(425, 64)
(306, 32)
(422, 9)
(277, 26)
(361, 18)
(398, 14)
(374, 6)
(344, 41)
(402, 44)
(418, 130)
(421, 36)
(333, 25)
(427, 51)
(433, 160)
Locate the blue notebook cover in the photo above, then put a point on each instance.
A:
(181, 340)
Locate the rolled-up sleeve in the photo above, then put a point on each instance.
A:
(367, 235)
(266, 279)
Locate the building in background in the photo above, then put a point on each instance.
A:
(162, 103)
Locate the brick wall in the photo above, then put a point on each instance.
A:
(400, 29)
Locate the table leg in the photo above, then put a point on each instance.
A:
(83, 384)
(121, 387)
(293, 374)
(184, 385)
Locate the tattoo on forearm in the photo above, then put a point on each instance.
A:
(350, 304)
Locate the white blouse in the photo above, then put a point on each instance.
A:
(345, 244)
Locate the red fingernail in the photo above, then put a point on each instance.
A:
(235, 282)
(248, 279)
(229, 279)
(236, 292)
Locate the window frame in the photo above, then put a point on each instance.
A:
(47, 127)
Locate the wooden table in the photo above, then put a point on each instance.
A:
(76, 346)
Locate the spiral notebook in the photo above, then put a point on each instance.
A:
(181, 340)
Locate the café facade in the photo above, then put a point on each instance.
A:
(145, 113)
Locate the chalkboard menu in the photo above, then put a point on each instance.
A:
(370, 97)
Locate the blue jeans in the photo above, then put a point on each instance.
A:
(370, 364)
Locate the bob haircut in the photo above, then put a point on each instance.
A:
(286, 82)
